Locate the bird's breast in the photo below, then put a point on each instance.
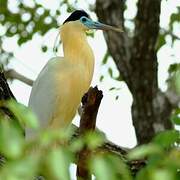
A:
(72, 83)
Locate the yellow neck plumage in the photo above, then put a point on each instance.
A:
(76, 48)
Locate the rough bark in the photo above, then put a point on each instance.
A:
(91, 103)
(136, 60)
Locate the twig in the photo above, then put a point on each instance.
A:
(12, 74)
(91, 102)
(166, 32)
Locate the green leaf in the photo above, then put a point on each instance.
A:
(177, 81)
(101, 78)
(76, 145)
(101, 169)
(58, 12)
(11, 140)
(105, 58)
(144, 151)
(167, 138)
(110, 71)
(109, 167)
(58, 163)
(25, 168)
(23, 114)
(94, 139)
(156, 173)
(161, 41)
(174, 17)
(119, 167)
(111, 89)
(175, 119)
(119, 78)
(174, 67)
(162, 174)
(44, 48)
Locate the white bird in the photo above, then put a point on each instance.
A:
(56, 93)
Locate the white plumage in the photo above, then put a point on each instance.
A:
(58, 89)
(56, 94)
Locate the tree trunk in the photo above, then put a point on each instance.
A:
(136, 60)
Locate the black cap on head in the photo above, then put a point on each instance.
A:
(76, 15)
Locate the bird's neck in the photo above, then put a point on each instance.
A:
(76, 48)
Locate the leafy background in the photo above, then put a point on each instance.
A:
(23, 20)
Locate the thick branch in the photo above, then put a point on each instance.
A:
(151, 109)
(144, 49)
(136, 61)
(91, 102)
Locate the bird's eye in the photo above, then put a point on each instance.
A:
(84, 19)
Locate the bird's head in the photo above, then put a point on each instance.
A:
(81, 20)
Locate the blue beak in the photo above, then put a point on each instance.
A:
(97, 25)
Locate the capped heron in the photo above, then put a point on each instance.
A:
(56, 93)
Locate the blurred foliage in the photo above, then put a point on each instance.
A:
(163, 157)
(22, 20)
(174, 77)
(175, 117)
(50, 154)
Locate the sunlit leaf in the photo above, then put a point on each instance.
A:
(58, 163)
(11, 140)
(23, 114)
(177, 81)
(109, 167)
(161, 41)
(51, 136)
(144, 151)
(167, 138)
(101, 169)
(76, 145)
(162, 174)
(175, 119)
(120, 169)
(94, 139)
(20, 169)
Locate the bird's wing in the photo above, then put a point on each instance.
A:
(43, 94)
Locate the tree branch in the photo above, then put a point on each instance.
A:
(136, 60)
(12, 74)
(91, 102)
